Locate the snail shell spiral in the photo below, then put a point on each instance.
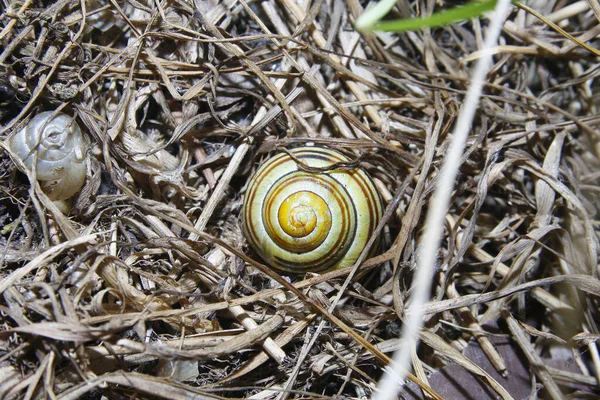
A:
(56, 145)
(299, 221)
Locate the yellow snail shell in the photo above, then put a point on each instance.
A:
(299, 221)
(55, 142)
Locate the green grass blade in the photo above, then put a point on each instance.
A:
(441, 18)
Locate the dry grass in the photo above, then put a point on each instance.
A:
(146, 289)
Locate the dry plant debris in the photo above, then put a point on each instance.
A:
(142, 286)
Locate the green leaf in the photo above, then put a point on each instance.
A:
(441, 18)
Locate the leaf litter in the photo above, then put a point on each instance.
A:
(143, 284)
